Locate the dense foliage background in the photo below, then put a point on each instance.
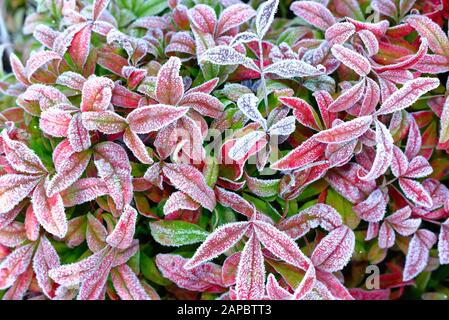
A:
(207, 149)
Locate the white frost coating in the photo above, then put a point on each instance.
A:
(265, 16)
(416, 192)
(178, 201)
(248, 105)
(284, 127)
(71, 80)
(72, 274)
(384, 153)
(334, 251)
(45, 258)
(418, 253)
(104, 121)
(223, 55)
(243, 37)
(443, 243)
(419, 167)
(399, 162)
(373, 208)
(339, 33)
(244, 144)
(346, 131)
(123, 233)
(49, 211)
(251, 271)
(290, 68)
(14, 188)
(352, 59)
(408, 95)
(190, 180)
(222, 239)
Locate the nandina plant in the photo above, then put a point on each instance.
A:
(290, 150)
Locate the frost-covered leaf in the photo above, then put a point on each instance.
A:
(122, 235)
(169, 85)
(301, 156)
(114, 168)
(418, 253)
(345, 131)
(233, 16)
(96, 94)
(334, 251)
(438, 41)
(314, 13)
(14, 188)
(20, 157)
(177, 233)
(188, 179)
(127, 284)
(251, 271)
(265, 16)
(222, 239)
(443, 243)
(154, 117)
(352, 59)
(384, 153)
(280, 244)
(245, 144)
(303, 112)
(49, 211)
(45, 259)
(415, 192)
(107, 121)
(290, 68)
(373, 208)
(407, 95)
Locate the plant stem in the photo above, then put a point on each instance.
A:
(262, 77)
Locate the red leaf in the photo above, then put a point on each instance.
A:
(416, 192)
(114, 168)
(443, 243)
(83, 190)
(69, 171)
(352, 59)
(20, 157)
(96, 94)
(188, 179)
(250, 282)
(280, 244)
(80, 45)
(233, 16)
(203, 18)
(234, 201)
(154, 117)
(44, 260)
(384, 153)
(14, 188)
(301, 156)
(137, 147)
(418, 253)
(222, 239)
(339, 33)
(127, 284)
(123, 233)
(314, 13)
(179, 201)
(15, 264)
(203, 103)
(335, 250)
(96, 234)
(77, 134)
(317, 215)
(373, 208)
(345, 131)
(437, 39)
(55, 122)
(49, 211)
(104, 121)
(407, 95)
(348, 97)
(169, 85)
(302, 111)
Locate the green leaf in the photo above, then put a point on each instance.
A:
(344, 208)
(150, 271)
(177, 233)
(292, 275)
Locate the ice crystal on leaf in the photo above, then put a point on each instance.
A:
(228, 150)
